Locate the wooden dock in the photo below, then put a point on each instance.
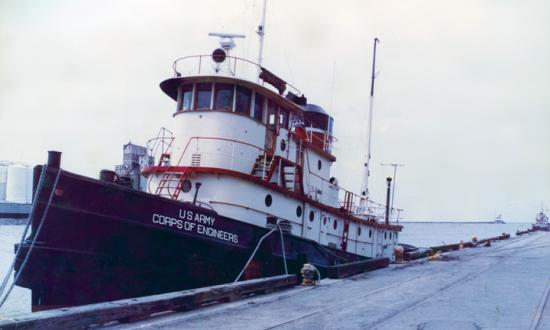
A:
(503, 286)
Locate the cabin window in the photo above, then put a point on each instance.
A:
(299, 211)
(325, 221)
(185, 97)
(203, 96)
(243, 97)
(311, 215)
(268, 200)
(370, 232)
(385, 235)
(224, 97)
(283, 118)
(258, 112)
(390, 235)
(319, 164)
(358, 231)
(187, 94)
(335, 224)
(283, 145)
(186, 186)
(271, 114)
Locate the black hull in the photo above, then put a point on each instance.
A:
(101, 242)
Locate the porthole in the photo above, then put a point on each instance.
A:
(311, 215)
(358, 231)
(325, 220)
(268, 200)
(319, 164)
(370, 232)
(335, 225)
(283, 145)
(299, 211)
(385, 235)
(186, 186)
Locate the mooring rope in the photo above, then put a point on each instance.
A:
(34, 238)
(258, 246)
(283, 248)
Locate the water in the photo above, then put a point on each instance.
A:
(19, 300)
(418, 234)
(423, 234)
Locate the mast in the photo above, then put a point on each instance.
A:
(261, 33)
(365, 188)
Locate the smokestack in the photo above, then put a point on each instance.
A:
(388, 180)
(54, 159)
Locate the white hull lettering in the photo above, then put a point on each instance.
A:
(196, 223)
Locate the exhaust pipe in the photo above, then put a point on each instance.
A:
(54, 159)
(388, 180)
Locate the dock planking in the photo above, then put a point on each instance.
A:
(505, 285)
(130, 310)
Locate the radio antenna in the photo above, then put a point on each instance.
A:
(261, 33)
(365, 188)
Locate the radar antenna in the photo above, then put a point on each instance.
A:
(226, 40)
(227, 44)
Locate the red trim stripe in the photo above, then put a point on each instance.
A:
(302, 197)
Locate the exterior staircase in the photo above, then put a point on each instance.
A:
(290, 173)
(263, 166)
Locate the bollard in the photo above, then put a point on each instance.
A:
(308, 275)
(398, 252)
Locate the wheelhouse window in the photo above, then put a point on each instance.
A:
(186, 97)
(203, 96)
(242, 102)
(271, 114)
(283, 118)
(224, 97)
(258, 112)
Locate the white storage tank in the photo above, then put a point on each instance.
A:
(29, 184)
(16, 187)
(3, 180)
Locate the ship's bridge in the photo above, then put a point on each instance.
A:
(205, 83)
(234, 115)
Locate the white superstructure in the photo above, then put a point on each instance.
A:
(253, 152)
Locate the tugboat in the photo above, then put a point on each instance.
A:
(541, 221)
(247, 168)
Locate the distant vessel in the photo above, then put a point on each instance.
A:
(541, 221)
(499, 220)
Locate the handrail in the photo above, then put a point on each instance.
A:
(230, 69)
(374, 205)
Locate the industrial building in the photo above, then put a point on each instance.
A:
(134, 159)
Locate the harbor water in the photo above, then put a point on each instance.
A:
(422, 234)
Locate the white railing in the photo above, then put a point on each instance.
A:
(235, 67)
(161, 144)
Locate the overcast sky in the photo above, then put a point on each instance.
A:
(462, 95)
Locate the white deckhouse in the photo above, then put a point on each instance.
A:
(248, 145)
